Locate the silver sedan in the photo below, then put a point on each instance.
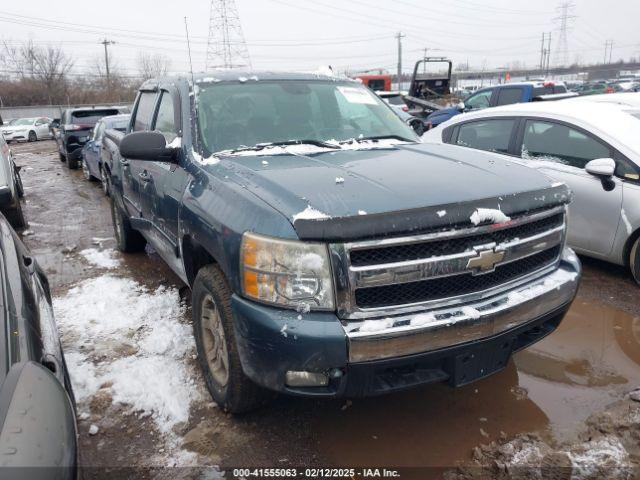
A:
(27, 129)
(593, 147)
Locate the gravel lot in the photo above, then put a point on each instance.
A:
(125, 324)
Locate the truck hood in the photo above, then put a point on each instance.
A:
(358, 193)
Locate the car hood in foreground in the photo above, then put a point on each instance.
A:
(346, 194)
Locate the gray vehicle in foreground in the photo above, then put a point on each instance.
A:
(329, 252)
(37, 415)
(592, 146)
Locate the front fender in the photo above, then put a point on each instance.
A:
(216, 212)
(38, 436)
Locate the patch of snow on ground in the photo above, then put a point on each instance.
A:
(152, 374)
(595, 457)
(626, 221)
(492, 215)
(441, 213)
(361, 212)
(101, 258)
(310, 213)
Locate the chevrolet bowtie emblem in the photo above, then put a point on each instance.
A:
(486, 261)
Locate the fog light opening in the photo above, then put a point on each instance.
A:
(306, 379)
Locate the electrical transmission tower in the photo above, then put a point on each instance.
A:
(226, 47)
(566, 16)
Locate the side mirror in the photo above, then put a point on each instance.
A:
(601, 167)
(461, 106)
(150, 146)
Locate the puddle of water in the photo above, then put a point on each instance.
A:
(549, 388)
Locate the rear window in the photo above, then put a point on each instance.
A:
(549, 90)
(91, 117)
(120, 125)
(394, 99)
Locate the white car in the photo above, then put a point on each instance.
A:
(594, 147)
(27, 130)
(629, 99)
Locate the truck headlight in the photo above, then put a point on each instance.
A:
(286, 272)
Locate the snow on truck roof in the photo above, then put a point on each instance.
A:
(232, 75)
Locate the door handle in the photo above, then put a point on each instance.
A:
(145, 177)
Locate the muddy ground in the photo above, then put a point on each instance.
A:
(554, 396)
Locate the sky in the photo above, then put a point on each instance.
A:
(353, 35)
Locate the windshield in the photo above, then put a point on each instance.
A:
(237, 115)
(24, 121)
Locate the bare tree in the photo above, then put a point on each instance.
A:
(151, 66)
(47, 66)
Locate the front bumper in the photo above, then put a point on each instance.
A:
(456, 344)
(16, 136)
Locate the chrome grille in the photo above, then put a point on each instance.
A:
(414, 251)
(399, 294)
(397, 275)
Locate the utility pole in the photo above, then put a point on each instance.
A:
(610, 50)
(400, 36)
(542, 52)
(106, 43)
(548, 53)
(608, 47)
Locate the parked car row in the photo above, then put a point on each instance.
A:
(318, 265)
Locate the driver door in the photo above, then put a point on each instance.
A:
(133, 170)
(562, 151)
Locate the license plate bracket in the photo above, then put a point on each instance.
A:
(481, 361)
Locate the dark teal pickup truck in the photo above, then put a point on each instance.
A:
(329, 252)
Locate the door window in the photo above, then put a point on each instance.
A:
(144, 111)
(490, 135)
(507, 96)
(165, 121)
(561, 144)
(479, 100)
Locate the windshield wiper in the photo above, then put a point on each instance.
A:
(262, 146)
(381, 137)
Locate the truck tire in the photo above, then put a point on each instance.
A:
(634, 260)
(72, 163)
(105, 181)
(128, 240)
(216, 344)
(63, 157)
(15, 216)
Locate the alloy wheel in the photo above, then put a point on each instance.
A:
(214, 342)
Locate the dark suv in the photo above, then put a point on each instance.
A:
(75, 129)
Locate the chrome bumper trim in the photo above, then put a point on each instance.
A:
(430, 330)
